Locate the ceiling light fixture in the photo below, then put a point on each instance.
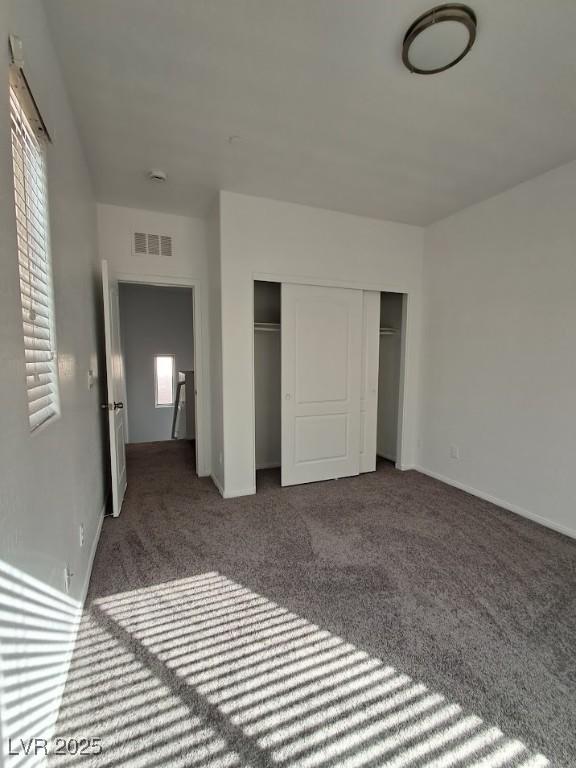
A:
(155, 174)
(439, 38)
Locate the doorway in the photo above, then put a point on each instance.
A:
(153, 371)
(157, 333)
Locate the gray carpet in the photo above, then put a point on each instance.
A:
(384, 620)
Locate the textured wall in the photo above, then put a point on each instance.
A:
(499, 369)
(51, 481)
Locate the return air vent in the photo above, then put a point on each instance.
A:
(152, 245)
(165, 245)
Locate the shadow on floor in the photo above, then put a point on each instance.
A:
(203, 671)
(382, 620)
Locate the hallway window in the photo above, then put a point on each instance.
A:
(164, 366)
(34, 262)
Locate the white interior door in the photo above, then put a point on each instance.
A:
(369, 383)
(114, 388)
(321, 371)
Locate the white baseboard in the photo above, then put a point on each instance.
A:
(242, 492)
(499, 502)
(233, 494)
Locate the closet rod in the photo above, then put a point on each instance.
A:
(269, 327)
(387, 331)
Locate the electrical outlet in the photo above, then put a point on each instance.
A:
(67, 578)
(454, 452)
(81, 534)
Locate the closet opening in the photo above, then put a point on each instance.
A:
(327, 385)
(391, 333)
(328, 378)
(267, 381)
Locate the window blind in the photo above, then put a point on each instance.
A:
(34, 267)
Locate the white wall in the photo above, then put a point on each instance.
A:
(189, 263)
(499, 352)
(116, 226)
(153, 321)
(215, 317)
(294, 242)
(51, 481)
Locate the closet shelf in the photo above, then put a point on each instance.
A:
(269, 327)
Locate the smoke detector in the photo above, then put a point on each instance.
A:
(155, 174)
(439, 39)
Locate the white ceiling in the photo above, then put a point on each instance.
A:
(316, 91)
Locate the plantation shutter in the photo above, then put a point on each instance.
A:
(34, 266)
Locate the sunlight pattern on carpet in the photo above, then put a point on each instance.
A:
(203, 671)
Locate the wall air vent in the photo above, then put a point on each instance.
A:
(145, 244)
(165, 245)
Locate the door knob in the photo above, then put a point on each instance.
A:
(112, 406)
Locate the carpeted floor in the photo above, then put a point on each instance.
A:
(386, 619)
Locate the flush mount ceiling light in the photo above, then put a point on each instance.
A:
(439, 38)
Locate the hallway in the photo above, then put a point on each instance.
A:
(385, 619)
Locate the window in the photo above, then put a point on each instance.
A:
(28, 155)
(164, 366)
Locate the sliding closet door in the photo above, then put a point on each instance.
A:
(369, 385)
(321, 372)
